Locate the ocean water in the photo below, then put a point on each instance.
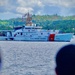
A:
(29, 58)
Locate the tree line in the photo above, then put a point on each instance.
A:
(54, 22)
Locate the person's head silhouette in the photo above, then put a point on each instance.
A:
(65, 60)
(0, 61)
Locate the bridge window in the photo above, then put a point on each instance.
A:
(41, 33)
(21, 34)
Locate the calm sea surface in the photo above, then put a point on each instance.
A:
(29, 58)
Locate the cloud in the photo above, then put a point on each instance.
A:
(61, 7)
(31, 6)
(67, 3)
(64, 3)
(28, 3)
(8, 5)
(23, 10)
(2, 3)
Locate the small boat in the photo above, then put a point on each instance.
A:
(32, 32)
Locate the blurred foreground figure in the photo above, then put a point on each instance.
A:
(0, 61)
(65, 60)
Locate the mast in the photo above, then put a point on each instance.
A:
(28, 19)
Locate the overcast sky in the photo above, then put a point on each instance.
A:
(16, 8)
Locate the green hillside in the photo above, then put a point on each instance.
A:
(65, 24)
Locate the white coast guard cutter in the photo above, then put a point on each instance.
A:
(31, 32)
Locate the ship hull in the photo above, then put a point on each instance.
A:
(57, 37)
(2, 38)
(63, 37)
(28, 35)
